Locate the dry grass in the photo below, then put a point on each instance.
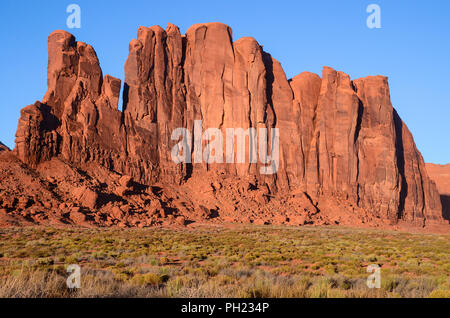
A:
(247, 261)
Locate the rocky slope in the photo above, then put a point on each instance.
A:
(345, 156)
(3, 147)
(441, 175)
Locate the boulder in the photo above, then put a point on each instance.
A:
(86, 197)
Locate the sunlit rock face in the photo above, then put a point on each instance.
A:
(341, 143)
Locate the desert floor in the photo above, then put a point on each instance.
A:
(223, 261)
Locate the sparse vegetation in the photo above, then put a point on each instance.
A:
(244, 261)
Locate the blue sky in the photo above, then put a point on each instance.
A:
(412, 48)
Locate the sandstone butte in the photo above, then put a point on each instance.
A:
(346, 157)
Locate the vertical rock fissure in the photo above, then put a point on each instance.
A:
(400, 152)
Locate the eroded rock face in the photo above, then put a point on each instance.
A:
(36, 136)
(338, 138)
(379, 177)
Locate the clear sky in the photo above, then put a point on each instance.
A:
(412, 47)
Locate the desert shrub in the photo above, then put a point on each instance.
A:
(438, 293)
(44, 261)
(320, 288)
(147, 279)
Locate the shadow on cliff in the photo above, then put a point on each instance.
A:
(270, 78)
(51, 122)
(125, 97)
(400, 163)
(445, 200)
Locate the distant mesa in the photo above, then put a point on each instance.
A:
(440, 174)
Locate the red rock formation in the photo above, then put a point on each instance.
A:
(3, 147)
(440, 174)
(332, 159)
(343, 149)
